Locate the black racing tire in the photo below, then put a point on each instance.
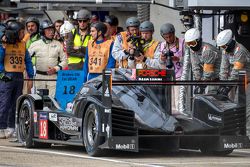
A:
(216, 153)
(25, 128)
(91, 131)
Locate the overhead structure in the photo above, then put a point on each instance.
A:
(87, 1)
(219, 4)
(94, 5)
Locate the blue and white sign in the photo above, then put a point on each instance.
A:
(69, 82)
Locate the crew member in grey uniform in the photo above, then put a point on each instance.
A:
(204, 59)
(235, 57)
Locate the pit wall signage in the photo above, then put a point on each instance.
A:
(153, 75)
(69, 82)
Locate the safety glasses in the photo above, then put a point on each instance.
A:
(191, 43)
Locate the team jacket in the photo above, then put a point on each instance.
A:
(48, 54)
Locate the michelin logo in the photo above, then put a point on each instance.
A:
(214, 118)
(233, 145)
(125, 146)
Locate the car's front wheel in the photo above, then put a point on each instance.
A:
(25, 128)
(91, 131)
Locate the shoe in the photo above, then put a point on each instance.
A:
(10, 132)
(2, 134)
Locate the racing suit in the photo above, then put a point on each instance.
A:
(178, 50)
(205, 65)
(14, 58)
(233, 62)
(48, 54)
(98, 57)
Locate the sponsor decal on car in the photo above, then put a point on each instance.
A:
(125, 146)
(214, 118)
(43, 126)
(233, 145)
(152, 75)
(53, 117)
(67, 123)
(107, 110)
(35, 117)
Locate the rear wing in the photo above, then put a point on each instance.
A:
(162, 77)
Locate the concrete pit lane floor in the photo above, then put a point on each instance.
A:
(12, 154)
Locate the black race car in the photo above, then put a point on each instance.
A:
(114, 111)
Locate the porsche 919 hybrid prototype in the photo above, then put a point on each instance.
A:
(116, 112)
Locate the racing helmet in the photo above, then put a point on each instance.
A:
(32, 19)
(100, 27)
(224, 37)
(44, 25)
(146, 26)
(47, 24)
(167, 28)
(111, 20)
(10, 20)
(192, 35)
(15, 26)
(12, 32)
(132, 22)
(83, 14)
(66, 28)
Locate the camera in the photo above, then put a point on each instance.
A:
(169, 54)
(138, 43)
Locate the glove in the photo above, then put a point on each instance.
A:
(5, 78)
(224, 90)
(200, 89)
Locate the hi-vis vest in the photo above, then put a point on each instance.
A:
(149, 50)
(124, 63)
(14, 60)
(124, 40)
(78, 42)
(98, 56)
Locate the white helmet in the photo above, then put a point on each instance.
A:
(224, 37)
(66, 28)
(192, 35)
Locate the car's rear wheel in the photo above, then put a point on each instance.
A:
(25, 128)
(91, 131)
